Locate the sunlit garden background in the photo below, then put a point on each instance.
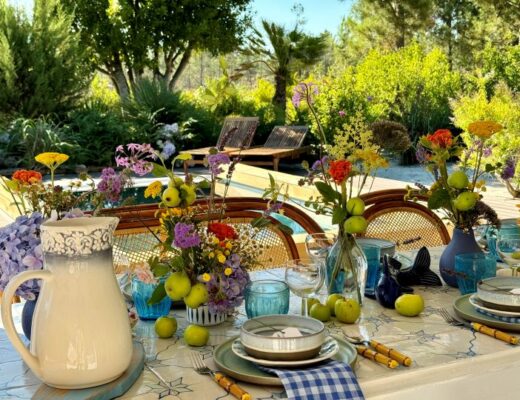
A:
(82, 77)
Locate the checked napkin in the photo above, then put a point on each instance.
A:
(328, 381)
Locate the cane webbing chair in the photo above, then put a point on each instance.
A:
(137, 236)
(410, 224)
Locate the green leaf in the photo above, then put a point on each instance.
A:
(158, 294)
(160, 269)
(260, 222)
(439, 199)
(339, 215)
(272, 181)
(177, 263)
(159, 171)
(284, 228)
(183, 157)
(204, 184)
(490, 168)
(327, 192)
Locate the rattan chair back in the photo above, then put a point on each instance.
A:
(410, 224)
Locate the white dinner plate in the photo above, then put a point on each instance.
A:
(329, 348)
(477, 303)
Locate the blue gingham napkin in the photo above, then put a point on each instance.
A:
(332, 380)
(511, 320)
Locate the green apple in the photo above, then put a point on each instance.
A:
(195, 335)
(347, 310)
(355, 206)
(465, 201)
(355, 224)
(331, 301)
(177, 181)
(178, 285)
(458, 180)
(170, 197)
(189, 193)
(321, 312)
(197, 296)
(515, 255)
(409, 305)
(165, 327)
(310, 302)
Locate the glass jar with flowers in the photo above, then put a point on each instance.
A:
(344, 167)
(204, 256)
(458, 194)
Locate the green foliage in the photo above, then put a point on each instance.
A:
(504, 65)
(128, 39)
(25, 138)
(408, 86)
(43, 67)
(503, 107)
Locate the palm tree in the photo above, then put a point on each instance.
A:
(285, 53)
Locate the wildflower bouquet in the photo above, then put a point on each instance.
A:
(458, 194)
(207, 262)
(339, 175)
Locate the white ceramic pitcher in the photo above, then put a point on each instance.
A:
(80, 331)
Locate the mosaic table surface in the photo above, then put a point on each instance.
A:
(431, 343)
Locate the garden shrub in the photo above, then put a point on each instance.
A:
(503, 107)
(503, 64)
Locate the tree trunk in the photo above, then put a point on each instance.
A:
(119, 79)
(280, 94)
(180, 68)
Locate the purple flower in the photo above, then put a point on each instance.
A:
(487, 151)
(509, 169)
(111, 184)
(216, 160)
(20, 250)
(320, 164)
(422, 155)
(273, 208)
(370, 98)
(304, 91)
(342, 113)
(185, 236)
(227, 292)
(137, 157)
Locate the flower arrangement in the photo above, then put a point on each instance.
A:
(339, 175)
(207, 262)
(458, 194)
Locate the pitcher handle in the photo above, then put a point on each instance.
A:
(7, 316)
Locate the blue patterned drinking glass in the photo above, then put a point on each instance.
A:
(141, 293)
(470, 268)
(266, 297)
(373, 255)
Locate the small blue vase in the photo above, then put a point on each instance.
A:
(461, 243)
(141, 293)
(27, 316)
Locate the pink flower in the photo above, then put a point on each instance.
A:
(145, 275)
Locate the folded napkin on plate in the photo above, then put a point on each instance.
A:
(332, 380)
(511, 320)
(420, 273)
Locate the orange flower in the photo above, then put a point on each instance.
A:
(441, 138)
(484, 129)
(27, 177)
(339, 170)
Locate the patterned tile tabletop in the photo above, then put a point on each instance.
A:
(431, 343)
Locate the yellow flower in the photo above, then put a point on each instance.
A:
(153, 190)
(484, 129)
(227, 252)
(206, 277)
(221, 258)
(228, 271)
(177, 212)
(211, 255)
(51, 160)
(229, 246)
(215, 240)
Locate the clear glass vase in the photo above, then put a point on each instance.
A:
(346, 268)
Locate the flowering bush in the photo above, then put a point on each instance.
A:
(458, 194)
(20, 250)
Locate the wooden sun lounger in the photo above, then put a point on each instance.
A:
(283, 142)
(236, 133)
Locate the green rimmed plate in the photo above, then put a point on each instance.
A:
(232, 365)
(464, 309)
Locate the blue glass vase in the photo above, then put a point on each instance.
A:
(141, 293)
(346, 268)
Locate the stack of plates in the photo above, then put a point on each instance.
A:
(279, 341)
(495, 304)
